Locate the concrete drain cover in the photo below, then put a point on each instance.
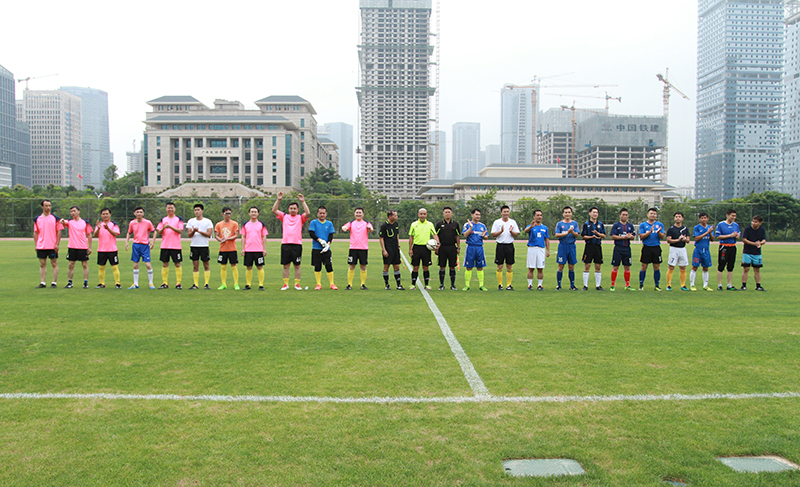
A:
(758, 464)
(543, 468)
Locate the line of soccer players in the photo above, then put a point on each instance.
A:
(443, 239)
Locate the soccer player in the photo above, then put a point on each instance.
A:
(292, 240)
(359, 247)
(566, 233)
(418, 235)
(390, 247)
(449, 247)
(538, 249)
(140, 228)
(47, 237)
(200, 230)
(254, 248)
(727, 232)
(475, 233)
(701, 257)
(754, 237)
(170, 229)
(227, 231)
(651, 232)
(504, 230)
(321, 231)
(106, 232)
(593, 233)
(622, 233)
(80, 245)
(677, 237)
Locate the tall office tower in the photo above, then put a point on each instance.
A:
(493, 154)
(342, 134)
(466, 149)
(789, 173)
(15, 164)
(439, 166)
(394, 95)
(516, 125)
(739, 93)
(94, 133)
(54, 118)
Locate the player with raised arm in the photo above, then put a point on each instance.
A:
(538, 249)
(80, 245)
(449, 232)
(593, 233)
(677, 237)
(474, 233)
(200, 230)
(703, 233)
(254, 248)
(170, 228)
(140, 228)
(47, 237)
(390, 248)
(504, 230)
(566, 233)
(227, 232)
(359, 247)
(754, 237)
(321, 231)
(622, 233)
(651, 232)
(106, 233)
(292, 240)
(419, 234)
(727, 232)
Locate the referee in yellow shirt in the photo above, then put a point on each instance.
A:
(421, 231)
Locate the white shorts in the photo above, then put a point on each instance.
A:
(678, 257)
(536, 257)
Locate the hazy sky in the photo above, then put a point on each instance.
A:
(247, 50)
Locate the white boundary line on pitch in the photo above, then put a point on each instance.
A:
(407, 400)
(474, 380)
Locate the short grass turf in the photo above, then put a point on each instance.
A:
(387, 343)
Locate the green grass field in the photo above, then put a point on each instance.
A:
(408, 415)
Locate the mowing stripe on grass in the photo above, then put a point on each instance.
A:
(475, 381)
(406, 400)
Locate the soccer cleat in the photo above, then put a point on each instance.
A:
(236, 287)
(558, 288)
(222, 288)
(453, 288)
(612, 289)
(693, 288)
(179, 287)
(428, 288)
(53, 286)
(297, 287)
(247, 288)
(500, 287)
(86, 285)
(684, 288)
(400, 287)
(483, 288)
(41, 285)
(641, 288)
(412, 288)
(759, 288)
(388, 287)
(731, 288)
(441, 288)
(348, 288)
(163, 286)
(285, 287)
(318, 287)
(333, 287)
(118, 286)
(719, 288)
(599, 288)
(585, 288)
(206, 287)
(530, 287)
(151, 287)
(658, 289)
(669, 288)
(629, 288)
(364, 288)
(744, 288)
(133, 287)
(509, 288)
(540, 288)
(708, 288)
(466, 288)
(260, 288)
(194, 286)
(100, 286)
(573, 288)
(69, 285)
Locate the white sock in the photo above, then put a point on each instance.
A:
(692, 276)
(136, 277)
(705, 278)
(150, 276)
(598, 279)
(585, 279)
(530, 282)
(541, 282)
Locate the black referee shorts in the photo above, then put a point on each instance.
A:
(448, 255)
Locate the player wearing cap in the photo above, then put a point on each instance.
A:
(106, 233)
(227, 232)
(140, 228)
(359, 230)
(200, 230)
(80, 245)
(170, 228)
(321, 231)
(47, 237)
(418, 235)
(292, 240)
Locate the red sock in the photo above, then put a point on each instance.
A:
(627, 278)
(613, 276)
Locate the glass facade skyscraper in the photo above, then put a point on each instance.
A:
(789, 173)
(94, 133)
(466, 149)
(15, 156)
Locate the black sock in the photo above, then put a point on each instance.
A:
(427, 276)
(414, 276)
(441, 277)
(452, 277)
(397, 277)
(386, 277)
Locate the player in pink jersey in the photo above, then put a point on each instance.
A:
(80, 245)
(140, 228)
(254, 248)
(47, 237)
(106, 233)
(292, 241)
(170, 229)
(359, 232)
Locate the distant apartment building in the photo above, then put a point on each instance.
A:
(466, 149)
(516, 124)
(95, 138)
(788, 178)
(342, 134)
(15, 158)
(493, 154)
(438, 166)
(134, 161)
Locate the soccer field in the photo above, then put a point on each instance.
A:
(166, 387)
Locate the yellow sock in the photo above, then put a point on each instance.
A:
(196, 277)
(499, 278)
(248, 276)
(480, 278)
(467, 276)
(164, 274)
(285, 281)
(351, 273)
(207, 276)
(318, 277)
(179, 274)
(363, 277)
(115, 271)
(330, 278)
(223, 273)
(101, 274)
(509, 276)
(297, 282)
(261, 276)
(235, 272)
(683, 276)
(669, 277)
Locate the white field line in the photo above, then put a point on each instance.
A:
(407, 400)
(474, 380)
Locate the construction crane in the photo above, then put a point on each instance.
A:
(607, 97)
(572, 161)
(34, 77)
(667, 86)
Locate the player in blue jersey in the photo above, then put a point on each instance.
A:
(321, 232)
(475, 233)
(622, 233)
(566, 233)
(593, 233)
(651, 232)
(703, 233)
(538, 249)
(726, 233)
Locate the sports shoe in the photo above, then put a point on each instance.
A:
(509, 288)
(540, 288)
(247, 288)
(599, 288)
(236, 287)
(719, 288)
(558, 288)
(285, 287)
(194, 286)
(133, 287)
(206, 287)
(334, 288)
(68, 286)
(759, 288)
(86, 285)
(441, 288)
(658, 289)
(530, 287)
(151, 287)
(163, 286)
(41, 286)
(318, 287)
(400, 287)
(708, 288)
(693, 288)
(297, 287)
(465, 288)
(428, 288)
(453, 288)
(178, 287)
(731, 288)
(684, 288)
(118, 286)
(53, 286)
(612, 289)
(500, 287)
(260, 288)
(744, 288)
(669, 288)
(629, 288)
(348, 288)
(364, 288)
(641, 288)
(483, 288)
(412, 288)
(100, 286)
(573, 288)
(223, 287)
(585, 288)
(388, 287)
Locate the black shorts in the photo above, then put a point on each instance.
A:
(110, 257)
(230, 256)
(199, 253)
(357, 256)
(651, 255)
(592, 253)
(726, 258)
(175, 254)
(251, 258)
(77, 255)
(320, 258)
(448, 255)
(46, 254)
(621, 256)
(504, 253)
(394, 256)
(291, 254)
(420, 254)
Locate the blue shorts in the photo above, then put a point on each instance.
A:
(752, 260)
(474, 257)
(701, 257)
(140, 252)
(566, 255)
